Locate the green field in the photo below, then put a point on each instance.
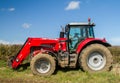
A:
(24, 74)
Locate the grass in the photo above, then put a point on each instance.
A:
(61, 76)
(24, 75)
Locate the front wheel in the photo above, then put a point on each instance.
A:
(43, 65)
(95, 58)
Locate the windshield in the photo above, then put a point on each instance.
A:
(81, 31)
(78, 33)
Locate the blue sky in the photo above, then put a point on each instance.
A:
(20, 19)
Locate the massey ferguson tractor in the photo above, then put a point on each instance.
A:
(76, 47)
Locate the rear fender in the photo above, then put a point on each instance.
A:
(89, 41)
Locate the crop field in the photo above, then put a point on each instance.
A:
(24, 74)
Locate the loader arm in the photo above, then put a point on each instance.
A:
(25, 50)
(22, 54)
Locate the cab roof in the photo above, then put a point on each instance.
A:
(81, 24)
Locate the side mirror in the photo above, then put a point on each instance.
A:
(62, 34)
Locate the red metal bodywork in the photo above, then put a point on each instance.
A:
(87, 41)
(55, 46)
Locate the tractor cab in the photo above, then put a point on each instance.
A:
(77, 32)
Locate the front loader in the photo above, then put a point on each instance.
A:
(76, 47)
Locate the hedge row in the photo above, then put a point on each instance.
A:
(11, 50)
(8, 50)
(115, 50)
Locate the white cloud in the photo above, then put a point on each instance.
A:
(4, 42)
(115, 41)
(11, 9)
(73, 5)
(8, 9)
(17, 42)
(10, 43)
(26, 25)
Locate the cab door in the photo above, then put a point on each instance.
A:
(76, 35)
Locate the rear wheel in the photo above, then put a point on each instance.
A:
(95, 58)
(43, 65)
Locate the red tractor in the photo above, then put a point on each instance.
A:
(76, 47)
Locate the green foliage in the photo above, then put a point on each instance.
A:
(61, 76)
(115, 50)
(11, 50)
(8, 50)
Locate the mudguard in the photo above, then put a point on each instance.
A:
(89, 41)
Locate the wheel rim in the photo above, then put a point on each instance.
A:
(96, 61)
(42, 66)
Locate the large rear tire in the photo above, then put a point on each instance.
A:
(43, 65)
(95, 58)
